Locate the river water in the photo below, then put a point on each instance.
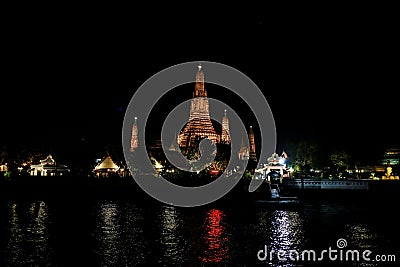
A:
(140, 232)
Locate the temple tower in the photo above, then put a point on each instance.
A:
(134, 139)
(199, 125)
(225, 135)
(253, 155)
(243, 152)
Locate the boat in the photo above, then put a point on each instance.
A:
(273, 173)
(276, 198)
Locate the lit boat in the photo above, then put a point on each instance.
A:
(276, 198)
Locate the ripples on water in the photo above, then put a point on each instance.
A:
(119, 234)
(26, 239)
(130, 233)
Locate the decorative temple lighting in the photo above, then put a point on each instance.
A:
(106, 167)
(252, 155)
(134, 139)
(246, 153)
(275, 163)
(48, 167)
(199, 125)
(225, 135)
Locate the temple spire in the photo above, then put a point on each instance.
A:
(134, 138)
(199, 125)
(225, 135)
(199, 90)
(253, 155)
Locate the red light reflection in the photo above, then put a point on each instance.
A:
(215, 237)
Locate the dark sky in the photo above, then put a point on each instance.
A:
(70, 75)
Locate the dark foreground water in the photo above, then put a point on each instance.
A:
(140, 232)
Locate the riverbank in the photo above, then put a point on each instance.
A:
(127, 188)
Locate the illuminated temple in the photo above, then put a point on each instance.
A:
(199, 125)
(134, 138)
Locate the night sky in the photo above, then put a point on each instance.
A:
(69, 76)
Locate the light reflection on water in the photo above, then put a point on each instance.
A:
(215, 237)
(28, 236)
(286, 230)
(362, 235)
(119, 234)
(279, 230)
(286, 234)
(173, 245)
(127, 233)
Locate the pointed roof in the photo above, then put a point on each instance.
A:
(48, 160)
(243, 148)
(174, 145)
(251, 130)
(106, 164)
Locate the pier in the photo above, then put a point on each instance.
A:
(326, 184)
